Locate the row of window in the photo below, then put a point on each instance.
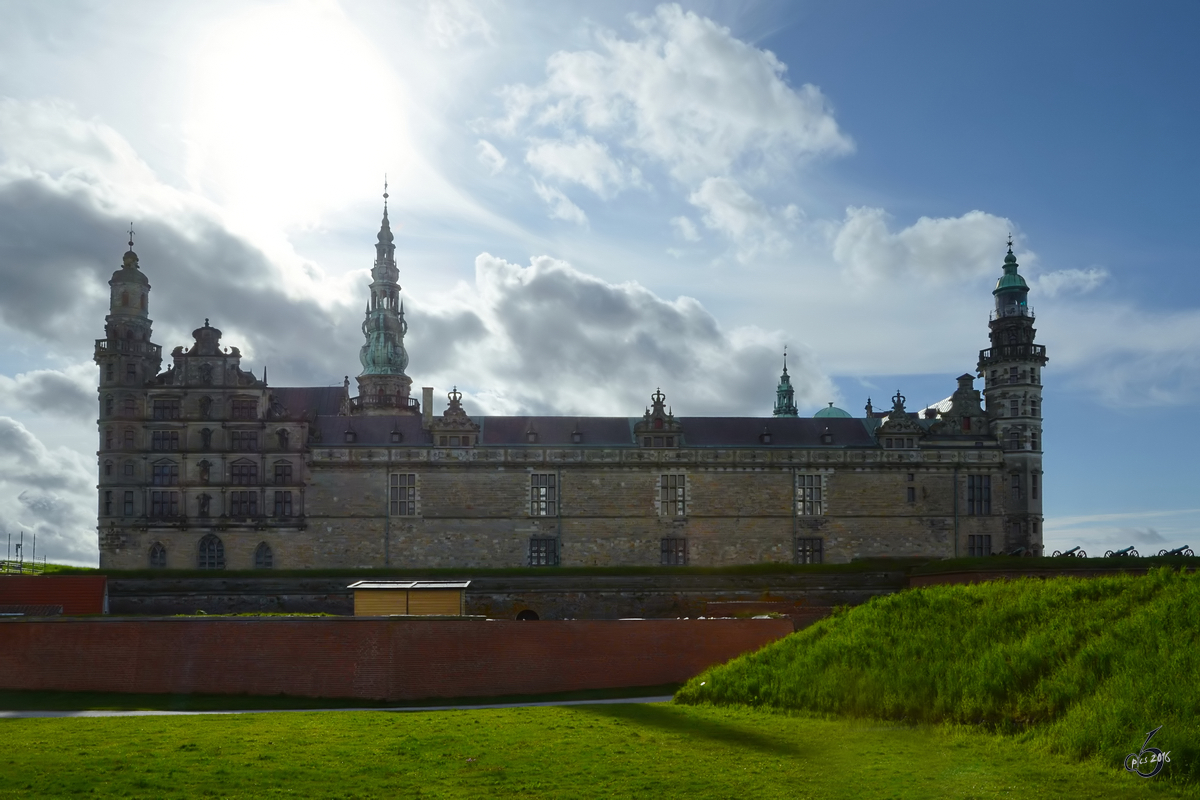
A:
(166, 504)
(1011, 375)
(673, 551)
(166, 473)
(242, 441)
(211, 554)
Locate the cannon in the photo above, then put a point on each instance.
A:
(1128, 551)
(1178, 551)
(1074, 551)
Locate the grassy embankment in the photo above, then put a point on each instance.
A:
(1082, 667)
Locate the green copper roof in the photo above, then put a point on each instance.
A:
(833, 412)
(1010, 280)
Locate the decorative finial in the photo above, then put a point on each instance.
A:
(1010, 241)
(206, 322)
(131, 237)
(385, 193)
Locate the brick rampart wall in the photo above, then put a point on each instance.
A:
(371, 658)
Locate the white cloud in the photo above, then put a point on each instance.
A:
(581, 160)
(450, 22)
(548, 338)
(685, 92)
(1069, 281)
(685, 228)
(70, 392)
(48, 492)
(561, 206)
(936, 250)
(490, 157)
(728, 209)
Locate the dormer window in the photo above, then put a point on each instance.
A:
(765, 436)
(576, 436)
(351, 436)
(531, 437)
(397, 436)
(826, 438)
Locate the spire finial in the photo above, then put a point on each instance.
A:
(385, 193)
(785, 359)
(1010, 241)
(131, 237)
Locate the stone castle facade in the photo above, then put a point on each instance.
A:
(204, 465)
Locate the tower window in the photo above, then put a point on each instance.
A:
(810, 496)
(979, 494)
(1013, 375)
(809, 551)
(1033, 440)
(543, 499)
(263, 557)
(673, 552)
(124, 298)
(108, 465)
(127, 469)
(1033, 407)
(402, 495)
(212, 553)
(143, 302)
(1033, 486)
(108, 504)
(131, 406)
(128, 504)
(672, 495)
(131, 372)
(1014, 440)
(129, 438)
(1014, 407)
(243, 474)
(1015, 480)
(108, 438)
(108, 371)
(543, 552)
(108, 405)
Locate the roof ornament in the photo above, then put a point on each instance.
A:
(131, 237)
(385, 194)
(898, 402)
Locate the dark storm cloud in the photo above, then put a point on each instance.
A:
(49, 391)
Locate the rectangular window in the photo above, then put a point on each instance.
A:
(283, 474)
(1033, 486)
(1014, 408)
(1033, 407)
(166, 408)
(128, 504)
(243, 474)
(130, 407)
(108, 504)
(1033, 440)
(1014, 440)
(543, 497)
(1012, 375)
(1015, 480)
(128, 469)
(108, 439)
(979, 494)
(809, 551)
(165, 475)
(674, 552)
(672, 495)
(108, 372)
(543, 552)
(129, 438)
(243, 504)
(402, 497)
(810, 496)
(164, 440)
(912, 494)
(244, 408)
(978, 546)
(164, 504)
(131, 372)
(245, 441)
(283, 504)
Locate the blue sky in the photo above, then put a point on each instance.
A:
(596, 199)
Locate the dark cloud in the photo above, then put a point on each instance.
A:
(50, 391)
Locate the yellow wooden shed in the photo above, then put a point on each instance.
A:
(415, 598)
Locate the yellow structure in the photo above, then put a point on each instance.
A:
(417, 598)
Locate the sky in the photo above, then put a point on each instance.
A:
(592, 200)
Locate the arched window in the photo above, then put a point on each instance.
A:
(212, 553)
(158, 556)
(263, 558)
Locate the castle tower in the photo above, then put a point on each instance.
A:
(785, 395)
(128, 360)
(383, 388)
(1012, 373)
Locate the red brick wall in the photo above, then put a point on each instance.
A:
(369, 658)
(77, 594)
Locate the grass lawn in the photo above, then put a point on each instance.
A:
(602, 751)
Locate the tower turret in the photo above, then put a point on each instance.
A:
(383, 388)
(1012, 373)
(126, 356)
(785, 395)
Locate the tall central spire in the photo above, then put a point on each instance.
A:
(785, 395)
(382, 384)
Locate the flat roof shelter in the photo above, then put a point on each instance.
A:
(416, 598)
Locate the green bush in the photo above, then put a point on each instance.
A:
(1085, 666)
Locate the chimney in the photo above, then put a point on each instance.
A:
(427, 405)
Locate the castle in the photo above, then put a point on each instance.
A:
(203, 465)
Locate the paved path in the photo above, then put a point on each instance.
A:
(152, 713)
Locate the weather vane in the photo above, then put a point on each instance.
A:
(131, 235)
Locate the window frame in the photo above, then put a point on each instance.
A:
(673, 551)
(979, 545)
(543, 494)
(402, 494)
(210, 553)
(673, 493)
(979, 495)
(809, 550)
(283, 503)
(543, 551)
(810, 492)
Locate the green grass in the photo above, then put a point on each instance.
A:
(1082, 667)
(609, 751)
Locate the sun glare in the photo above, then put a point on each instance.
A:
(293, 110)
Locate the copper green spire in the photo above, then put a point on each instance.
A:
(785, 395)
(384, 326)
(1011, 291)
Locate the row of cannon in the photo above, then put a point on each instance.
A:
(1128, 552)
